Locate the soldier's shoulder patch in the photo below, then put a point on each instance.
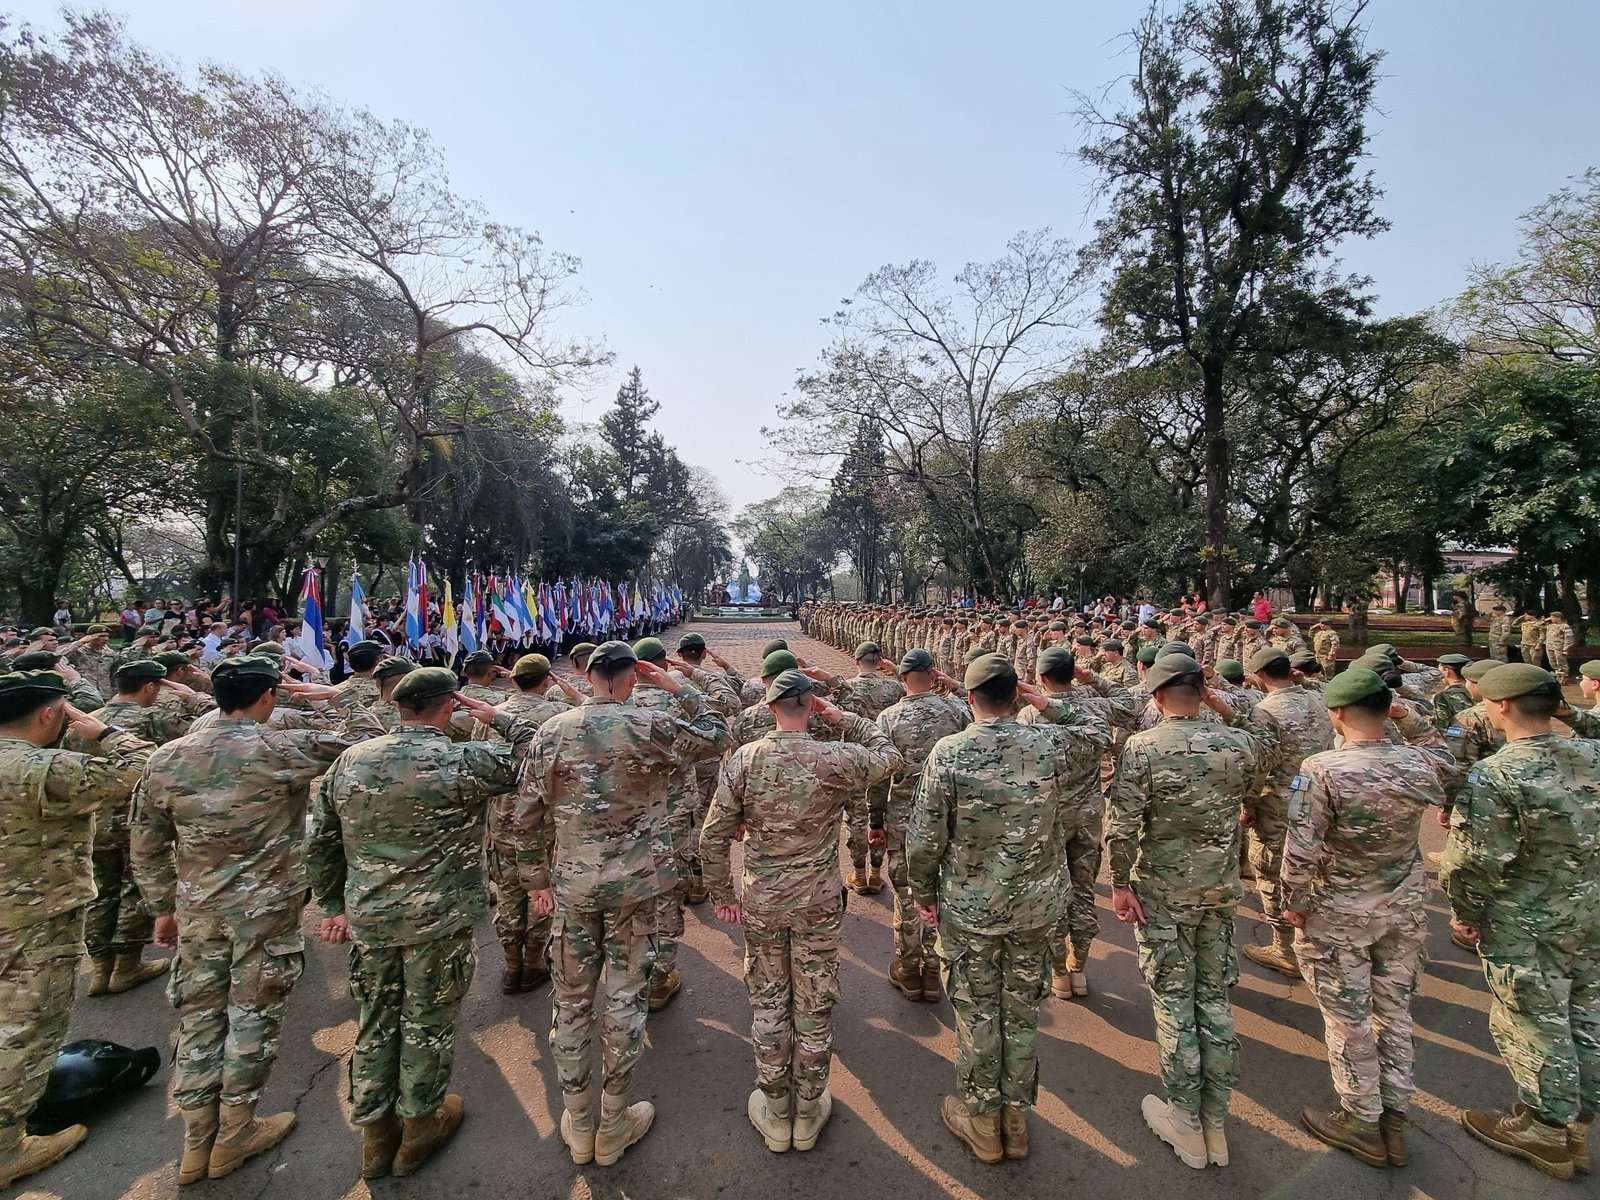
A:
(1455, 731)
(1299, 783)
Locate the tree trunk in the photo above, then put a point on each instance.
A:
(1570, 609)
(1428, 598)
(1218, 568)
(1358, 620)
(1591, 588)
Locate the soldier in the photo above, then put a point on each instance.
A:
(578, 659)
(867, 695)
(1558, 640)
(483, 678)
(914, 725)
(1522, 870)
(754, 691)
(91, 654)
(50, 798)
(985, 853)
(218, 826)
(1500, 625)
(1354, 886)
(387, 675)
(787, 793)
(1532, 640)
(1455, 696)
(592, 812)
(1173, 838)
(1114, 668)
(723, 695)
(1284, 636)
(394, 856)
(1325, 645)
(363, 658)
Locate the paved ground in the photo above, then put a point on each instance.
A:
(892, 1065)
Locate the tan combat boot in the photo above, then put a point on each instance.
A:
(932, 986)
(1076, 963)
(129, 972)
(697, 889)
(1178, 1129)
(1060, 979)
(857, 879)
(100, 967)
(874, 883)
(773, 1119)
(27, 1155)
(809, 1118)
(1522, 1135)
(1216, 1138)
(1578, 1143)
(380, 1142)
(621, 1125)
(663, 988)
(511, 974)
(535, 965)
(1346, 1131)
(577, 1127)
(981, 1133)
(1279, 956)
(199, 1133)
(1392, 1125)
(1014, 1132)
(907, 976)
(240, 1137)
(424, 1136)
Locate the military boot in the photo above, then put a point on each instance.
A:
(981, 1132)
(1178, 1129)
(1014, 1132)
(1522, 1135)
(857, 879)
(1345, 1131)
(907, 976)
(1216, 1138)
(621, 1125)
(773, 1119)
(535, 965)
(663, 988)
(1392, 1125)
(1060, 979)
(932, 986)
(809, 1118)
(380, 1142)
(1279, 956)
(511, 976)
(424, 1136)
(874, 883)
(28, 1155)
(129, 972)
(697, 888)
(199, 1134)
(577, 1127)
(1076, 962)
(100, 968)
(1578, 1143)
(240, 1137)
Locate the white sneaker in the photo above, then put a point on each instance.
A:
(1177, 1129)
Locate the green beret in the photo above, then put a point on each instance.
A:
(1182, 648)
(1230, 669)
(777, 662)
(425, 683)
(1304, 660)
(1113, 644)
(1372, 662)
(988, 668)
(1282, 622)
(274, 649)
(44, 631)
(1509, 681)
(1590, 669)
(1058, 626)
(1083, 639)
(1148, 654)
(478, 658)
(173, 660)
(691, 641)
(612, 654)
(366, 654)
(1152, 623)
(144, 631)
(1172, 669)
(531, 666)
(650, 649)
(774, 644)
(144, 669)
(581, 649)
(1350, 686)
(1478, 668)
(94, 629)
(36, 660)
(974, 655)
(1453, 660)
(247, 666)
(789, 683)
(394, 665)
(1266, 658)
(1128, 625)
(867, 648)
(1055, 660)
(19, 687)
(915, 660)
(1202, 618)
(1382, 648)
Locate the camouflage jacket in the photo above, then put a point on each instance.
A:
(397, 833)
(757, 721)
(1080, 774)
(1300, 720)
(1448, 703)
(788, 791)
(682, 793)
(914, 725)
(869, 694)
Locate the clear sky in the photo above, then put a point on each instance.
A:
(729, 171)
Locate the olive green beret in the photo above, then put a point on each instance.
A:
(1382, 648)
(1202, 618)
(425, 683)
(1453, 660)
(531, 666)
(1172, 669)
(94, 629)
(777, 662)
(272, 648)
(1152, 623)
(394, 665)
(1055, 660)
(691, 641)
(1183, 648)
(140, 668)
(1058, 626)
(247, 666)
(915, 660)
(581, 649)
(1282, 622)
(36, 660)
(1114, 645)
(974, 655)
(1230, 669)
(144, 631)
(1350, 686)
(1304, 660)
(1512, 680)
(44, 631)
(1372, 662)
(789, 683)
(366, 654)
(478, 658)
(1263, 659)
(1083, 639)
(1148, 654)
(774, 644)
(173, 660)
(1590, 669)
(866, 648)
(1478, 668)
(988, 668)
(650, 649)
(19, 686)
(612, 654)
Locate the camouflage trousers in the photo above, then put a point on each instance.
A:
(863, 812)
(230, 983)
(1187, 958)
(515, 922)
(675, 875)
(705, 782)
(1270, 817)
(584, 942)
(913, 940)
(406, 1036)
(791, 968)
(1080, 920)
(996, 984)
(1533, 653)
(1544, 1016)
(117, 917)
(1559, 667)
(1363, 973)
(38, 970)
(1498, 651)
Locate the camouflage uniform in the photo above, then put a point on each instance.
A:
(1533, 638)
(592, 813)
(395, 847)
(1523, 865)
(1558, 640)
(788, 792)
(1448, 703)
(1300, 721)
(1173, 837)
(218, 830)
(1500, 636)
(94, 665)
(1352, 865)
(1325, 645)
(49, 797)
(986, 843)
(867, 695)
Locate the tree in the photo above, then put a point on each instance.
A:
(1232, 177)
(856, 505)
(791, 540)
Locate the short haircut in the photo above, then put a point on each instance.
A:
(1278, 668)
(1537, 705)
(16, 708)
(1378, 702)
(1065, 673)
(997, 693)
(234, 692)
(612, 671)
(127, 685)
(793, 705)
(427, 706)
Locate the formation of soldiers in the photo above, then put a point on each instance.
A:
(986, 762)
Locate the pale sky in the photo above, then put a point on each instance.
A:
(729, 171)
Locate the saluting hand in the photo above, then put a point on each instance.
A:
(482, 710)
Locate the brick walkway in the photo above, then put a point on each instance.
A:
(740, 643)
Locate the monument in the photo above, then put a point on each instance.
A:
(744, 589)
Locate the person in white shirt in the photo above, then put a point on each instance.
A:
(211, 644)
